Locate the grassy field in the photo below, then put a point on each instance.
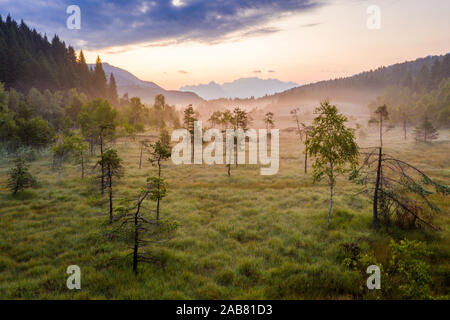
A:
(241, 237)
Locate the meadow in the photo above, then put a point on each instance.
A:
(241, 237)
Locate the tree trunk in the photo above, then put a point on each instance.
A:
(91, 148)
(82, 166)
(381, 130)
(136, 244)
(140, 157)
(229, 169)
(375, 194)
(111, 215)
(59, 168)
(331, 195)
(103, 168)
(404, 128)
(306, 156)
(330, 205)
(159, 188)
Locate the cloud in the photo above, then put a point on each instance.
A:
(109, 23)
(256, 71)
(271, 71)
(183, 72)
(310, 25)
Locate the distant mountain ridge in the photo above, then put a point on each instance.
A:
(146, 90)
(240, 88)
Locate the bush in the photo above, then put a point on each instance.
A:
(406, 275)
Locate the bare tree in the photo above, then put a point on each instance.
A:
(399, 190)
(139, 231)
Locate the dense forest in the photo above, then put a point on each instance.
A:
(420, 76)
(409, 104)
(45, 88)
(28, 60)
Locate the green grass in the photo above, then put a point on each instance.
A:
(241, 237)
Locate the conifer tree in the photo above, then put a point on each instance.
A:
(19, 177)
(112, 91)
(426, 132)
(100, 79)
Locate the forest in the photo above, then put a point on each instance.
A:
(86, 179)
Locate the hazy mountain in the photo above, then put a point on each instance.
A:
(240, 88)
(146, 90)
(352, 94)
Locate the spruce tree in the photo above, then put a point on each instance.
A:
(426, 132)
(100, 85)
(19, 177)
(112, 91)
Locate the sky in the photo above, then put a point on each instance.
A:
(187, 42)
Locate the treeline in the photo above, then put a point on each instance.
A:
(420, 76)
(35, 119)
(409, 106)
(28, 60)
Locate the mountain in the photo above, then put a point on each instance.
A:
(240, 88)
(353, 94)
(147, 90)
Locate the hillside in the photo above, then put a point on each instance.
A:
(353, 94)
(147, 90)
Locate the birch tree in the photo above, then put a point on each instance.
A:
(332, 145)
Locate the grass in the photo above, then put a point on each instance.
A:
(241, 237)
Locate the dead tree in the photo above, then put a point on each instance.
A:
(398, 190)
(143, 145)
(139, 231)
(303, 131)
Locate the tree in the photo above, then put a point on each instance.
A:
(226, 119)
(136, 108)
(80, 148)
(304, 133)
(98, 125)
(188, 121)
(268, 120)
(143, 145)
(189, 118)
(139, 230)
(400, 190)
(158, 153)
(34, 132)
(240, 119)
(113, 168)
(215, 118)
(164, 137)
(112, 90)
(381, 114)
(426, 132)
(100, 83)
(333, 146)
(61, 149)
(19, 177)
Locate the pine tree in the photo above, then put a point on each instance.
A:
(84, 75)
(19, 177)
(426, 132)
(112, 91)
(100, 85)
(113, 168)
